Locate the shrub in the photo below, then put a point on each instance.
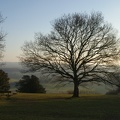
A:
(30, 84)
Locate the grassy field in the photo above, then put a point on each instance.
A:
(60, 107)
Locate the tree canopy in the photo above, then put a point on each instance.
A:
(30, 84)
(4, 81)
(81, 48)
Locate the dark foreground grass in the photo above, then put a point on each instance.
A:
(60, 107)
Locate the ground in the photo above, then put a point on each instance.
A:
(60, 107)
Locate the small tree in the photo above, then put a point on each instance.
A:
(81, 48)
(30, 85)
(4, 81)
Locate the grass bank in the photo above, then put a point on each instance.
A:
(60, 107)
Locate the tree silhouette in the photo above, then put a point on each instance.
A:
(30, 84)
(4, 81)
(80, 49)
(2, 36)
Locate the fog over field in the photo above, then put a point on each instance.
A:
(14, 72)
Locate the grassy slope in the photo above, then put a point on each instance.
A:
(59, 107)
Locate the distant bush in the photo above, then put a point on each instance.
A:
(82, 92)
(70, 91)
(113, 92)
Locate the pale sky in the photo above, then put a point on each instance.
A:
(26, 17)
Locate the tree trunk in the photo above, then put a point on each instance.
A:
(76, 90)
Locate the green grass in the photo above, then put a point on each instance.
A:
(60, 107)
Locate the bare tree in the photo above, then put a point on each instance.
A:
(80, 49)
(2, 36)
